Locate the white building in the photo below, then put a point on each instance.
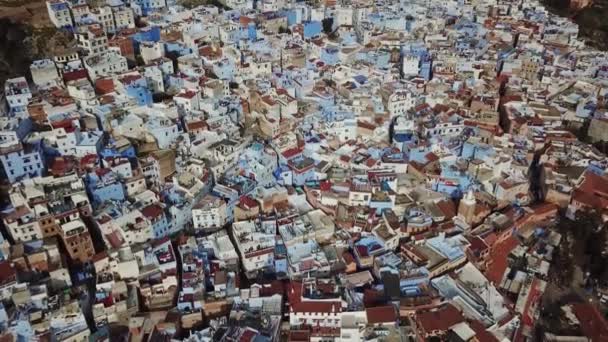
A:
(209, 213)
(44, 73)
(135, 228)
(59, 13)
(105, 65)
(188, 101)
(123, 17)
(316, 313)
(16, 161)
(410, 65)
(22, 224)
(444, 129)
(92, 39)
(399, 102)
(105, 17)
(154, 78)
(164, 130)
(151, 51)
(149, 5)
(18, 94)
(255, 242)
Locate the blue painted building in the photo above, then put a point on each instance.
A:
(471, 150)
(329, 55)
(178, 48)
(140, 92)
(224, 70)
(252, 32)
(312, 29)
(149, 34)
(103, 186)
(113, 150)
(293, 17)
(156, 215)
(19, 162)
(149, 6)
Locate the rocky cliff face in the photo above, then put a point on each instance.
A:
(589, 15)
(15, 49)
(26, 34)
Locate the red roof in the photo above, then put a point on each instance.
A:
(325, 185)
(348, 258)
(532, 300)
(481, 334)
(299, 336)
(115, 239)
(187, 94)
(477, 244)
(61, 165)
(381, 314)
(498, 263)
(441, 319)
(196, 125)
(312, 306)
(272, 288)
(294, 292)
(66, 124)
(88, 159)
(247, 202)
(372, 298)
(104, 86)
(448, 208)
(362, 251)
(247, 336)
(345, 158)
(292, 152)
(244, 20)
(128, 79)
(431, 157)
(152, 211)
(74, 75)
(593, 191)
(7, 273)
(592, 323)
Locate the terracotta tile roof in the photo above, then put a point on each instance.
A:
(592, 323)
(299, 336)
(317, 306)
(497, 264)
(448, 208)
(381, 314)
(593, 191)
(477, 245)
(441, 319)
(481, 334)
(7, 273)
(292, 152)
(152, 211)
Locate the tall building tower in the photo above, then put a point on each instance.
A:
(466, 208)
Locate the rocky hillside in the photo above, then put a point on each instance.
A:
(15, 49)
(591, 20)
(26, 34)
